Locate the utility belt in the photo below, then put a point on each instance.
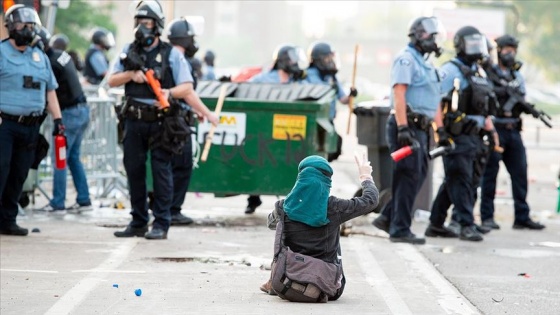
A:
(457, 123)
(25, 120)
(508, 123)
(134, 110)
(419, 121)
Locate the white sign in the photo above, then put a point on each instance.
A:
(490, 22)
(230, 131)
(62, 4)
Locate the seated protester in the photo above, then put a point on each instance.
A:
(310, 220)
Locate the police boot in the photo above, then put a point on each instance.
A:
(528, 224)
(469, 233)
(441, 231)
(490, 223)
(132, 232)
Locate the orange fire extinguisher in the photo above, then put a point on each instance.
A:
(60, 151)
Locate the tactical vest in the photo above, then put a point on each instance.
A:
(158, 60)
(501, 80)
(89, 72)
(69, 90)
(478, 97)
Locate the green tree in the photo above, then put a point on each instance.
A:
(538, 31)
(79, 19)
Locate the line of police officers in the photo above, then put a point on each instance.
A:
(464, 125)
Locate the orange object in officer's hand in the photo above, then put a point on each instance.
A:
(156, 87)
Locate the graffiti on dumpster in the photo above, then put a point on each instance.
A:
(230, 131)
(264, 153)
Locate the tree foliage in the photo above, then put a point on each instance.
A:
(79, 19)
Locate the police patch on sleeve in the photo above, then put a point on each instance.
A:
(404, 62)
(442, 74)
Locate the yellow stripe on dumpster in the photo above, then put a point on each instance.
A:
(289, 125)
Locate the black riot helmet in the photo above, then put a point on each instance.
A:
(150, 9)
(59, 41)
(42, 38)
(427, 34)
(508, 59)
(291, 59)
(102, 37)
(22, 23)
(209, 57)
(470, 44)
(180, 32)
(322, 57)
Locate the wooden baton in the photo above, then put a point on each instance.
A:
(217, 111)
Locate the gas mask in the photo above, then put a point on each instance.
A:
(24, 36)
(191, 50)
(429, 45)
(507, 60)
(144, 35)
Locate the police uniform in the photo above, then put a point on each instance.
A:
(142, 124)
(182, 167)
(96, 64)
(314, 77)
(25, 78)
(75, 114)
(459, 186)
(514, 155)
(422, 97)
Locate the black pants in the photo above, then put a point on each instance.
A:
(442, 202)
(17, 151)
(182, 167)
(408, 176)
(136, 144)
(515, 160)
(459, 185)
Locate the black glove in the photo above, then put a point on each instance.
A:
(353, 92)
(58, 127)
(225, 78)
(404, 136)
(443, 136)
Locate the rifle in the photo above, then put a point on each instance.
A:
(515, 98)
(133, 61)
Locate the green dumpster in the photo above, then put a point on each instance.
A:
(265, 131)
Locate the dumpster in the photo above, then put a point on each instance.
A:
(370, 129)
(265, 131)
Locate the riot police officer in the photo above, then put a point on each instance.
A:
(145, 118)
(464, 118)
(75, 114)
(289, 67)
(96, 63)
(323, 67)
(181, 34)
(28, 88)
(209, 74)
(508, 84)
(415, 97)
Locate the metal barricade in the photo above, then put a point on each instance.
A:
(101, 155)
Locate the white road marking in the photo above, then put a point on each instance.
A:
(449, 298)
(108, 271)
(76, 294)
(28, 270)
(378, 279)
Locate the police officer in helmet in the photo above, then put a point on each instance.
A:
(145, 120)
(508, 83)
(462, 124)
(181, 34)
(209, 73)
(27, 91)
(96, 63)
(323, 67)
(415, 97)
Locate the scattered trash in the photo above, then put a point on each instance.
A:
(118, 205)
(35, 230)
(138, 292)
(546, 244)
(497, 301)
(524, 275)
(115, 285)
(422, 216)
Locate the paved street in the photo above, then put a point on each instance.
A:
(216, 265)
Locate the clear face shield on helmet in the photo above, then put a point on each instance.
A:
(297, 57)
(23, 24)
(433, 36)
(475, 45)
(109, 41)
(197, 22)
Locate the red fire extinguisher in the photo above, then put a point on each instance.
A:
(60, 151)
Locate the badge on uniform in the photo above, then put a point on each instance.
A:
(158, 58)
(36, 57)
(404, 62)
